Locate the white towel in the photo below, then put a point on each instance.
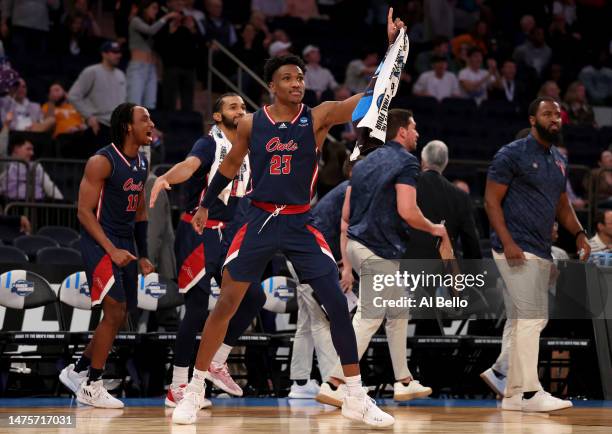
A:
(371, 111)
(239, 185)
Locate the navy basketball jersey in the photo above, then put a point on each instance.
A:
(204, 149)
(119, 196)
(283, 158)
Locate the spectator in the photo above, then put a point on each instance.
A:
(67, 119)
(199, 17)
(601, 178)
(279, 48)
(142, 71)
(250, 50)
(15, 179)
(317, 78)
(439, 18)
(27, 115)
(359, 71)
(179, 45)
(439, 49)
(90, 25)
(263, 36)
(527, 24)
(76, 47)
(97, 91)
(270, 8)
(602, 241)
(577, 106)
(566, 9)
(30, 25)
(507, 88)
(478, 38)
(438, 82)
(331, 174)
(597, 79)
(216, 26)
(565, 45)
(475, 81)
(303, 9)
(467, 12)
(17, 224)
(534, 53)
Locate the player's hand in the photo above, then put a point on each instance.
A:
(121, 257)
(160, 183)
(446, 249)
(514, 255)
(393, 27)
(145, 266)
(439, 230)
(198, 222)
(583, 247)
(346, 279)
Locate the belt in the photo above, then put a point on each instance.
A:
(210, 223)
(281, 209)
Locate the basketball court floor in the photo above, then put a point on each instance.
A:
(255, 415)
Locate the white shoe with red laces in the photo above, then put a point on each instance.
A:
(221, 378)
(175, 395)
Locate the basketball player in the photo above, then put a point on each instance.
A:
(381, 201)
(283, 141)
(200, 256)
(113, 215)
(524, 195)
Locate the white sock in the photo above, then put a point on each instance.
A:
(222, 354)
(180, 375)
(353, 386)
(197, 381)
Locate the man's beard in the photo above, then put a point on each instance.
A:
(547, 135)
(228, 123)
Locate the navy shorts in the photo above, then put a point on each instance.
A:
(198, 257)
(106, 278)
(293, 235)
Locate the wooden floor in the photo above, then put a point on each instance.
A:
(304, 418)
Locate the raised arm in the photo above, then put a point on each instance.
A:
(98, 168)
(180, 172)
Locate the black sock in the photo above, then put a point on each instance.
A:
(301, 382)
(331, 386)
(528, 395)
(498, 374)
(82, 364)
(94, 375)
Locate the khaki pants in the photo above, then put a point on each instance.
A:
(396, 329)
(312, 332)
(526, 301)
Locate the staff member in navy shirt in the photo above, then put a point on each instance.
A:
(381, 203)
(524, 195)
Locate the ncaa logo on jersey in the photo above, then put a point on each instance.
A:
(303, 121)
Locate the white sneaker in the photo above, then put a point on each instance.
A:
(513, 403)
(96, 395)
(175, 395)
(544, 401)
(364, 409)
(497, 385)
(187, 409)
(331, 397)
(310, 390)
(71, 378)
(412, 390)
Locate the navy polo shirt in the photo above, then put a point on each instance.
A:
(535, 177)
(328, 217)
(374, 221)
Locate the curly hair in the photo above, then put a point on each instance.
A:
(276, 62)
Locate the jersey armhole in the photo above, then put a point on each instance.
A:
(107, 155)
